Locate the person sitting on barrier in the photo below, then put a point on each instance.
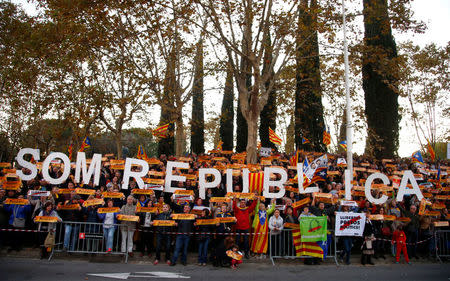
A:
(242, 214)
(276, 226)
(109, 225)
(47, 211)
(128, 227)
(184, 232)
(72, 215)
(399, 238)
(163, 238)
(145, 219)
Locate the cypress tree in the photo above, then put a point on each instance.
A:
(268, 115)
(198, 122)
(309, 121)
(380, 81)
(227, 115)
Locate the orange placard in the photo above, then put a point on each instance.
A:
(108, 210)
(163, 223)
(441, 223)
(207, 221)
(154, 181)
(128, 218)
(65, 190)
(438, 206)
(117, 161)
(219, 200)
(84, 191)
(300, 203)
(389, 217)
(403, 219)
(69, 207)
(112, 194)
(117, 167)
(156, 173)
(432, 213)
(11, 185)
(45, 219)
(234, 255)
(140, 209)
(226, 220)
(249, 196)
(184, 192)
(9, 171)
(183, 216)
(93, 202)
(143, 191)
(376, 217)
(442, 197)
(11, 201)
(291, 225)
(5, 165)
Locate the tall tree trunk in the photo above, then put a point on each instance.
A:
(251, 148)
(197, 122)
(118, 141)
(290, 137)
(227, 115)
(268, 115)
(309, 121)
(180, 142)
(380, 81)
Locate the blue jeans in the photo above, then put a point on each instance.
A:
(411, 239)
(203, 250)
(244, 233)
(71, 230)
(108, 233)
(347, 240)
(181, 244)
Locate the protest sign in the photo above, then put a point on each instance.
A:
(313, 229)
(350, 224)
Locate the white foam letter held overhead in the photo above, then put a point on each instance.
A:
(94, 168)
(46, 165)
(279, 183)
(127, 173)
(203, 184)
(368, 186)
(404, 190)
(171, 177)
(30, 166)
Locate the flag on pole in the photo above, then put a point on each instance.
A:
(417, 157)
(86, 144)
(343, 144)
(305, 140)
(70, 150)
(326, 137)
(141, 153)
(274, 138)
(431, 151)
(161, 131)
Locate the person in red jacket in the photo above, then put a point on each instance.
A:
(242, 214)
(399, 237)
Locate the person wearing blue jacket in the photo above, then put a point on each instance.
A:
(17, 220)
(109, 225)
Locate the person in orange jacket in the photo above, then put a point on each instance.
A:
(399, 237)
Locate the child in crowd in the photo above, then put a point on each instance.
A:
(235, 255)
(399, 237)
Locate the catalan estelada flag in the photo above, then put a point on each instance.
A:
(161, 131)
(431, 151)
(70, 150)
(326, 137)
(86, 144)
(417, 157)
(294, 159)
(343, 144)
(256, 182)
(311, 249)
(274, 138)
(305, 140)
(141, 153)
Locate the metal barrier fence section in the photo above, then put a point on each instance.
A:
(442, 244)
(282, 246)
(92, 238)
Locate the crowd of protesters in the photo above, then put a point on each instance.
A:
(223, 244)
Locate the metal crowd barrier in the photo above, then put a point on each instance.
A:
(282, 246)
(442, 244)
(88, 238)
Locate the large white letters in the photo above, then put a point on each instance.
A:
(403, 190)
(171, 177)
(203, 184)
(46, 165)
(279, 183)
(30, 166)
(368, 185)
(127, 173)
(94, 168)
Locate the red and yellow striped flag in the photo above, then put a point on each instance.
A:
(431, 151)
(326, 138)
(256, 182)
(70, 150)
(219, 145)
(274, 138)
(311, 249)
(161, 131)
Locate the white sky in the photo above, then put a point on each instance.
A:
(435, 13)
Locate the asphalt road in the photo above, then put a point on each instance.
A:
(66, 270)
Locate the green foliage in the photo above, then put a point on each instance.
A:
(227, 113)
(197, 121)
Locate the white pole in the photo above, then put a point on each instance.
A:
(347, 96)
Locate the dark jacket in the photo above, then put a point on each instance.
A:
(164, 216)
